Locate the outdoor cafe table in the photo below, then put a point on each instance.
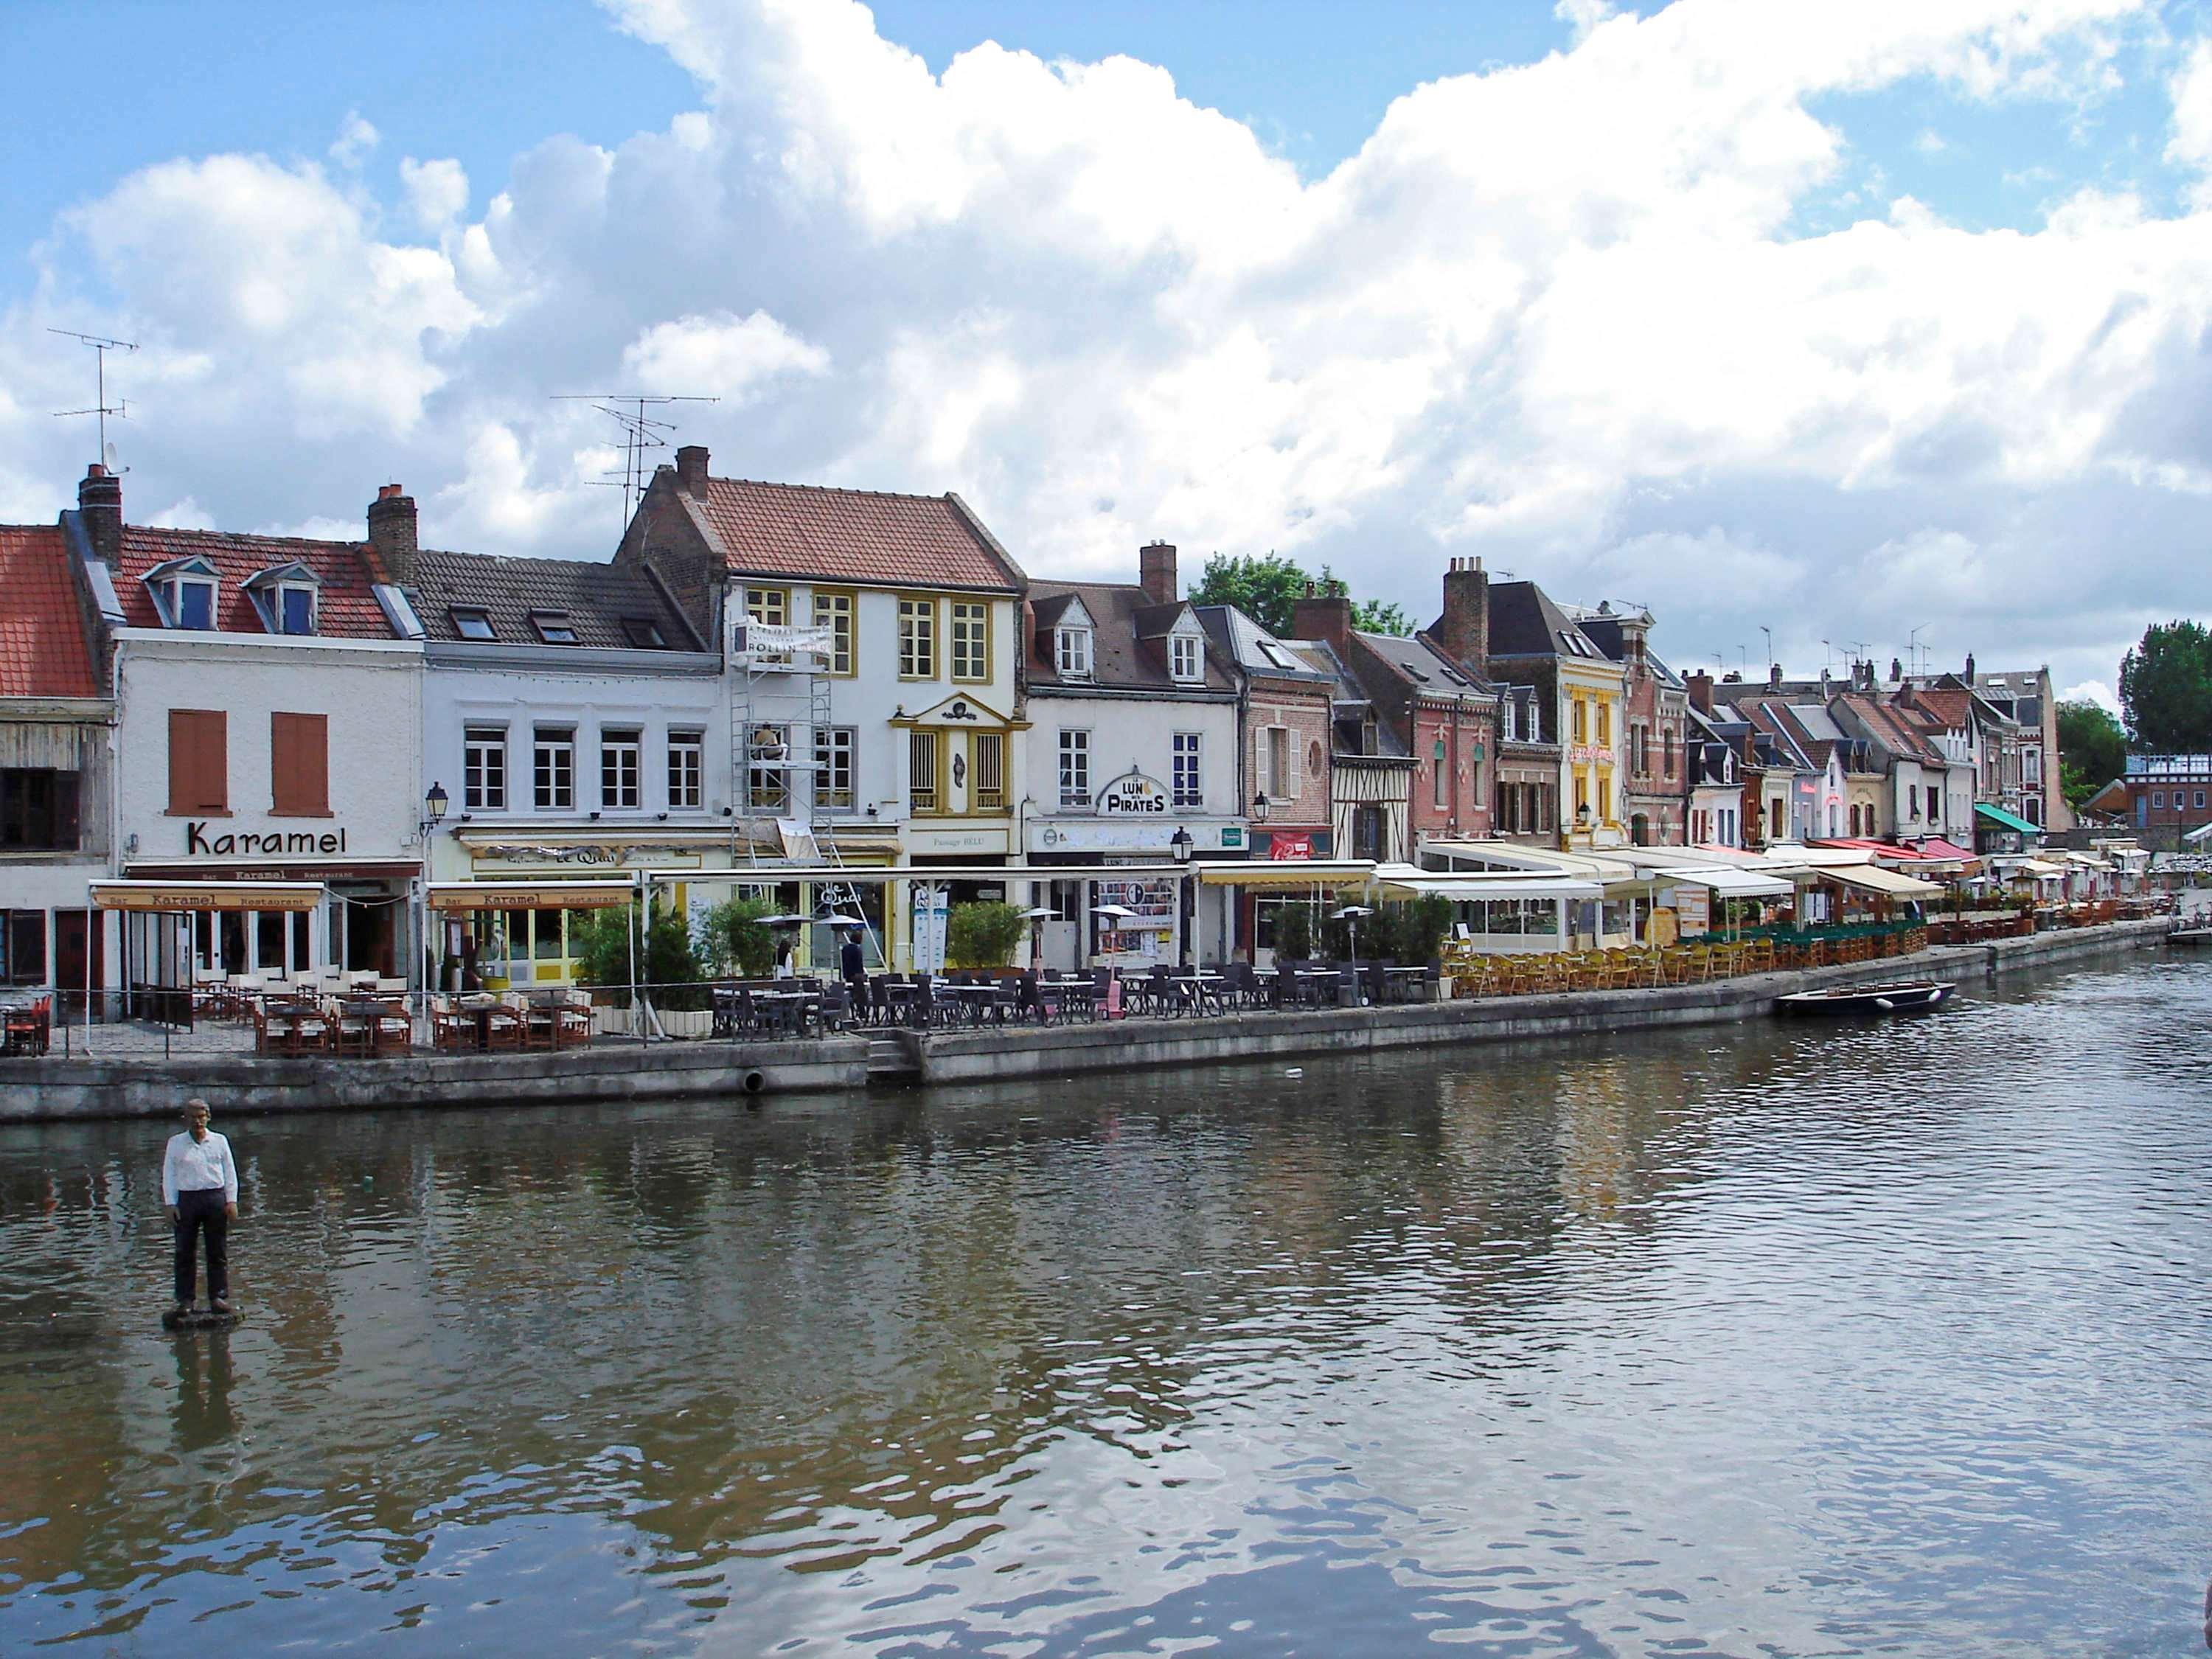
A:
(1208, 987)
(976, 999)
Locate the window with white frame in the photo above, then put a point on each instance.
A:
(1187, 790)
(971, 640)
(1073, 653)
(687, 771)
(1277, 786)
(1439, 778)
(553, 767)
(192, 602)
(620, 761)
(834, 747)
(484, 768)
(1186, 661)
(1074, 769)
(295, 608)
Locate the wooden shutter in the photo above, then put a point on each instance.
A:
(1296, 765)
(298, 765)
(199, 762)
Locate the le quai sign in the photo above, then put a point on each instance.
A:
(1133, 795)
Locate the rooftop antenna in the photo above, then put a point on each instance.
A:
(640, 432)
(101, 345)
(1913, 648)
(1768, 632)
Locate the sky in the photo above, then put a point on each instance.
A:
(1876, 324)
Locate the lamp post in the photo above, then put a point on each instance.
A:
(434, 814)
(1180, 844)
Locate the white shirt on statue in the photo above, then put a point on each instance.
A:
(191, 1166)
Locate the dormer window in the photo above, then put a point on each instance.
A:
(471, 622)
(184, 593)
(554, 627)
(1072, 650)
(295, 608)
(1186, 662)
(191, 602)
(284, 596)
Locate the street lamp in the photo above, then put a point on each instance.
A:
(1180, 844)
(434, 814)
(1260, 809)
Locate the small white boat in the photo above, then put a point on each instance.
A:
(1914, 997)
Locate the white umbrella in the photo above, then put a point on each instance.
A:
(1041, 913)
(1117, 911)
(788, 919)
(833, 920)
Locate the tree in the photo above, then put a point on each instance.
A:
(2093, 750)
(2165, 689)
(1265, 588)
(1268, 588)
(734, 936)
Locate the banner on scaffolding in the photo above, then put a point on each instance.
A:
(780, 641)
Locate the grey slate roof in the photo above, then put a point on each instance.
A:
(603, 601)
(1525, 623)
(1128, 649)
(1250, 647)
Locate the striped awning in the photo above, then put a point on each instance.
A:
(529, 895)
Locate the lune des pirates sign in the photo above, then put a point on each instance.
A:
(1134, 795)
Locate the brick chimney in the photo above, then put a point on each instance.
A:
(1700, 686)
(1896, 671)
(1156, 572)
(1325, 617)
(1774, 677)
(392, 533)
(1970, 668)
(691, 471)
(99, 504)
(1464, 632)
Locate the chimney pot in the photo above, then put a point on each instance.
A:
(100, 505)
(691, 469)
(392, 533)
(1156, 572)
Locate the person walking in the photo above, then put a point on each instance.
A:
(199, 1187)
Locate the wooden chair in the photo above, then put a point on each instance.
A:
(572, 1019)
(28, 1030)
(452, 1031)
(506, 1025)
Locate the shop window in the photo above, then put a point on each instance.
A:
(39, 810)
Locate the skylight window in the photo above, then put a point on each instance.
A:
(644, 632)
(554, 627)
(471, 624)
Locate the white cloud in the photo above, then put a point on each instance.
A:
(1561, 315)
(2096, 691)
(437, 192)
(2191, 146)
(1930, 142)
(356, 139)
(185, 514)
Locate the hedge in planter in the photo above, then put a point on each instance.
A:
(984, 935)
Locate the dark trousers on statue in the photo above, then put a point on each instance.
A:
(197, 1212)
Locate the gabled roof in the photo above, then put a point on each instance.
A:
(43, 651)
(1953, 708)
(1525, 623)
(601, 600)
(1250, 647)
(1128, 650)
(1896, 735)
(807, 532)
(345, 608)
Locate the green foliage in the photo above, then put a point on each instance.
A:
(1293, 933)
(2093, 750)
(982, 935)
(734, 939)
(2165, 689)
(1268, 589)
(665, 955)
(1265, 588)
(1427, 920)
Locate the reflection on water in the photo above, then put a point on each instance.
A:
(1785, 1339)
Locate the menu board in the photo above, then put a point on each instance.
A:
(1150, 932)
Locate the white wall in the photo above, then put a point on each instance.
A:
(1126, 732)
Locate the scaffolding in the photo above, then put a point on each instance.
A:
(782, 695)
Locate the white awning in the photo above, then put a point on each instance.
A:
(1263, 875)
(1470, 888)
(1874, 878)
(1731, 883)
(2040, 870)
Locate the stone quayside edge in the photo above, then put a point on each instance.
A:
(66, 1090)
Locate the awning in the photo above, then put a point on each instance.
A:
(2085, 861)
(1470, 889)
(1872, 878)
(179, 895)
(1265, 875)
(2005, 820)
(1731, 883)
(2039, 870)
(529, 895)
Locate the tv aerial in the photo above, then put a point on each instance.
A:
(640, 433)
(101, 345)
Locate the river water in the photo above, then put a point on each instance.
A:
(1766, 1341)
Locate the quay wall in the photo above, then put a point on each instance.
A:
(52, 1088)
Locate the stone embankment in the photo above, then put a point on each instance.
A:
(52, 1088)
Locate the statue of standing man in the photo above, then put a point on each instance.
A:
(199, 1186)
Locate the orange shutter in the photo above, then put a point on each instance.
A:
(298, 765)
(199, 762)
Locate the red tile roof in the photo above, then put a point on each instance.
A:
(43, 650)
(346, 610)
(804, 530)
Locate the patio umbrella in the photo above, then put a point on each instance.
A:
(1119, 911)
(833, 920)
(1350, 916)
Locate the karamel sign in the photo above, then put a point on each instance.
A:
(275, 844)
(1133, 795)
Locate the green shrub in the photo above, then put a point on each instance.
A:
(1294, 933)
(1428, 919)
(665, 955)
(734, 939)
(982, 935)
